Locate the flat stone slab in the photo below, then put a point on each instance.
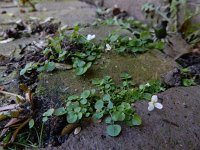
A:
(142, 68)
(68, 12)
(176, 126)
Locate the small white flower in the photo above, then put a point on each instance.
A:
(147, 85)
(129, 38)
(90, 37)
(153, 103)
(108, 47)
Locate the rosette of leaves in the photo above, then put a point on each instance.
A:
(105, 85)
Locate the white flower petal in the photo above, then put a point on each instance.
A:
(108, 47)
(90, 37)
(151, 106)
(158, 105)
(148, 85)
(154, 98)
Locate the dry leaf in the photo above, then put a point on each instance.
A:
(12, 94)
(49, 19)
(17, 130)
(9, 107)
(10, 123)
(68, 129)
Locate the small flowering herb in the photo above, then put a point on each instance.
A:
(75, 50)
(154, 103)
(110, 103)
(140, 43)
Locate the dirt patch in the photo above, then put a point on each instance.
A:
(176, 126)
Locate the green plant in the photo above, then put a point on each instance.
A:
(140, 43)
(187, 78)
(109, 102)
(105, 85)
(83, 61)
(73, 49)
(127, 80)
(28, 68)
(188, 82)
(39, 67)
(45, 118)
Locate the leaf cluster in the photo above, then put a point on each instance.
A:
(73, 49)
(187, 79)
(139, 43)
(109, 100)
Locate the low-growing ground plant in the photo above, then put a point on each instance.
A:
(109, 102)
(74, 50)
(139, 43)
(187, 79)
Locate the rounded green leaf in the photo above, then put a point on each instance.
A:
(118, 116)
(99, 105)
(85, 94)
(136, 120)
(80, 63)
(106, 97)
(60, 111)
(98, 115)
(83, 101)
(108, 120)
(49, 112)
(72, 118)
(77, 109)
(44, 119)
(147, 96)
(91, 58)
(87, 114)
(114, 37)
(93, 91)
(79, 71)
(80, 115)
(110, 105)
(31, 123)
(50, 66)
(114, 130)
(73, 97)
